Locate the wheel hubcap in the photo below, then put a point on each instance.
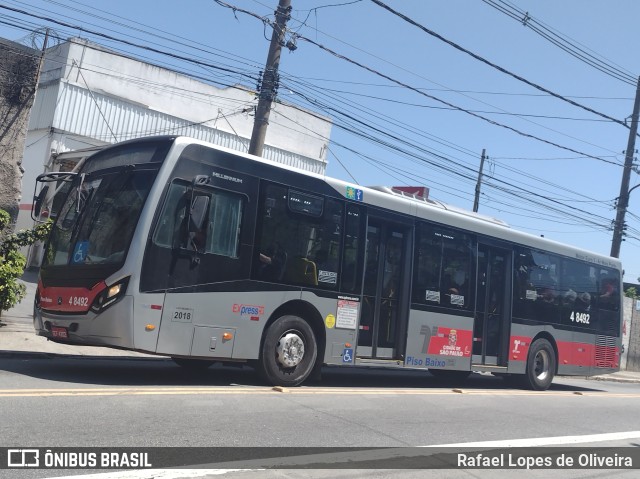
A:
(290, 349)
(542, 365)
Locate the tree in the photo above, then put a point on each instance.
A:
(12, 262)
(631, 292)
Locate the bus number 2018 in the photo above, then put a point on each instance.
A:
(580, 317)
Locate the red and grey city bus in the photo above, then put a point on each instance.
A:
(177, 247)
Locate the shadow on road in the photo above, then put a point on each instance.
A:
(101, 371)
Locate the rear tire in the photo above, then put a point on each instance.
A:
(193, 364)
(288, 353)
(541, 366)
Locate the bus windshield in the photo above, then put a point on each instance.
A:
(98, 218)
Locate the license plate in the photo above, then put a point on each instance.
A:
(59, 332)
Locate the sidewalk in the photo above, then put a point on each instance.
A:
(18, 338)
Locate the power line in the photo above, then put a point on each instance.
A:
(127, 42)
(560, 41)
(453, 172)
(418, 105)
(478, 92)
(295, 36)
(406, 127)
(493, 122)
(533, 197)
(493, 65)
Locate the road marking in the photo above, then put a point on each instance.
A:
(230, 390)
(157, 474)
(548, 441)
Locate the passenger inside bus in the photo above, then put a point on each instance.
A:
(273, 263)
(583, 302)
(607, 286)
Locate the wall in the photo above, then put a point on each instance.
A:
(632, 330)
(18, 76)
(87, 66)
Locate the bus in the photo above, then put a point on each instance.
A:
(176, 247)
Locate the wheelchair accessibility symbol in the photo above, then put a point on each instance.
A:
(347, 355)
(80, 252)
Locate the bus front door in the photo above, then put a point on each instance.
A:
(492, 317)
(383, 316)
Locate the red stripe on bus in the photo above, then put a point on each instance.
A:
(570, 353)
(588, 355)
(68, 300)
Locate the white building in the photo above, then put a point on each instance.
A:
(89, 97)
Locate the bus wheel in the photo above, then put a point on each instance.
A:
(288, 352)
(541, 365)
(193, 364)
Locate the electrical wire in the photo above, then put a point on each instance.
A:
(493, 65)
(561, 41)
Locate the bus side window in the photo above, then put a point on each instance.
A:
(443, 268)
(224, 222)
(299, 238)
(609, 294)
(167, 233)
(208, 224)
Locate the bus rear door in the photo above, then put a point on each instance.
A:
(384, 312)
(493, 306)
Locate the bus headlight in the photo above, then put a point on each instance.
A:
(110, 295)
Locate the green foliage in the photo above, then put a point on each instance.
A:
(25, 238)
(631, 292)
(12, 263)
(11, 268)
(5, 219)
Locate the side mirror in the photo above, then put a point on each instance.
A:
(197, 220)
(38, 200)
(37, 203)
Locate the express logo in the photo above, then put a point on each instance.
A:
(248, 310)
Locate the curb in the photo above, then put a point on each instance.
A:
(25, 355)
(613, 379)
(41, 355)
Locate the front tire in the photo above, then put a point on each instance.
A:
(288, 353)
(541, 366)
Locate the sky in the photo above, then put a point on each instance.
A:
(408, 107)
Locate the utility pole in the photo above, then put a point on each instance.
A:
(476, 201)
(41, 62)
(623, 199)
(270, 77)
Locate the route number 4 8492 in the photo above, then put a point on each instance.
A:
(580, 317)
(78, 301)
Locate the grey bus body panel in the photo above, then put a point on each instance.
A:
(186, 316)
(431, 345)
(112, 327)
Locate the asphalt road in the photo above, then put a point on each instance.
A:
(149, 402)
(53, 401)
